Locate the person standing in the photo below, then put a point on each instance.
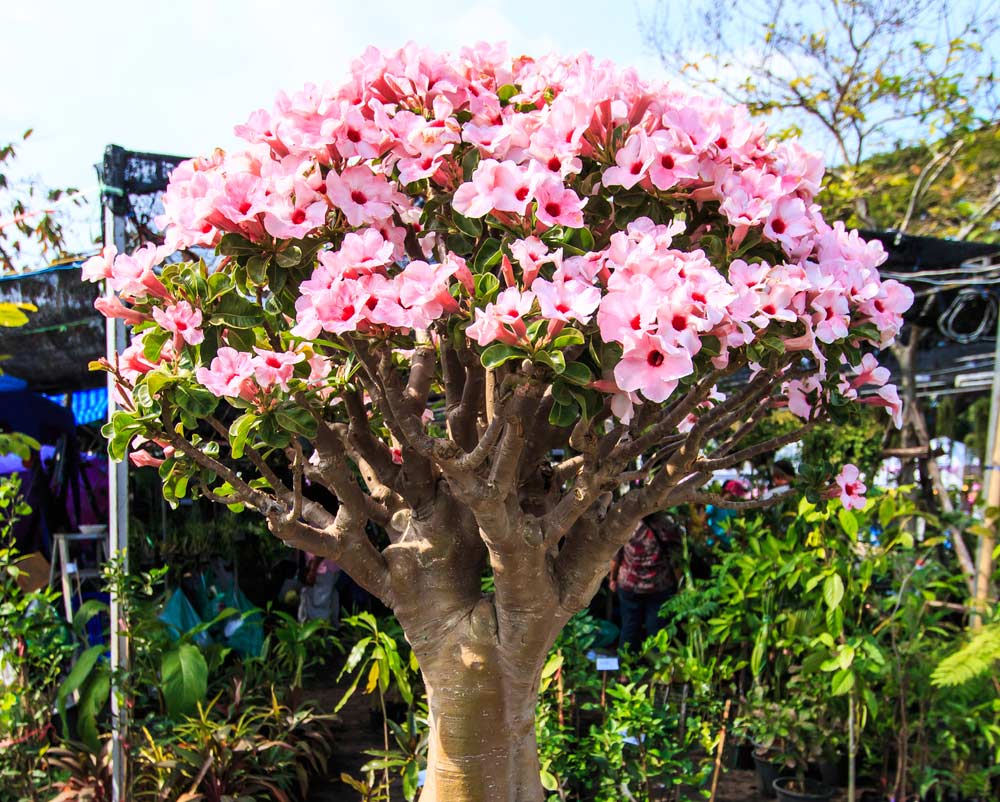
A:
(319, 597)
(644, 577)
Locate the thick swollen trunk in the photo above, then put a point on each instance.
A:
(481, 655)
(482, 741)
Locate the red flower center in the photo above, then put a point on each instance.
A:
(635, 323)
(778, 226)
(636, 168)
(298, 217)
(521, 194)
(667, 162)
(679, 322)
(354, 135)
(359, 197)
(553, 209)
(347, 312)
(722, 143)
(554, 164)
(655, 359)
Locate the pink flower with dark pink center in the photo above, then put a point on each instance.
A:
(229, 369)
(274, 367)
(558, 205)
(495, 186)
(852, 489)
(670, 165)
(652, 367)
(566, 300)
(788, 223)
(182, 320)
(631, 162)
(360, 194)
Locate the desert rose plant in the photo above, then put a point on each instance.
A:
(501, 308)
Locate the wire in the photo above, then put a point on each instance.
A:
(965, 299)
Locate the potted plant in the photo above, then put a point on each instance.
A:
(803, 745)
(768, 725)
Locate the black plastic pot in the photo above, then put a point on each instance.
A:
(789, 789)
(767, 773)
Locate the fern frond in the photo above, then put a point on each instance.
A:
(974, 659)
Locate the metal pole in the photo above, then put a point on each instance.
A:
(991, 478)
(114, 233)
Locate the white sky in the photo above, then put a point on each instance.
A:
(175, 76)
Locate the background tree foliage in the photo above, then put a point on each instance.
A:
(899, 94)
(30, 228)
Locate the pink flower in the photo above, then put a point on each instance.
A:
(143, 459)
(652, 367)
(531, 254)
(228, 371)
(423, 291)
(360, 194)
(852, 489)
(671, 165)
(274, 367)
(182, 320)
(801, 395)
(888, 396)
(495, 186)
(788, 223)
(869, 372)
(132, 361)
(558, 205)
(566, 300)
(114, 308)
(631, 162)
(132, 275)
(100, 267)
(503, 319)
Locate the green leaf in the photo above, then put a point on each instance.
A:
(549, 782)
(568, 337)
(470, 161)
(298, 421)
(469, 226)
(78, 675)
(506, 92)
(886, 511)
(93, 697)
(833, 591)
(87, 610)
(487, 286)
(184, 674)
(563, 414)
(553, 359)
(842, 682)
(237, 312)
(289, 257)
(239, 431)
(848, 521)
(498, 353)
(411, 778)
(577, 373)
(153, 342)
(488, 255)
(235, 245)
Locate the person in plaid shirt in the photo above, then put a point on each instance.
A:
(644, 577)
